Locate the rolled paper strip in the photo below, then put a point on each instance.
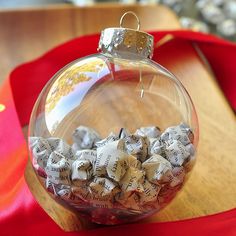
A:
(180, 132)
(84, 138)
(158, 170)
(129, 201)
(82, 191)
(132, 161)
(132, 181)
(137, 146)
(102, 192)
(81, 170)
(150, 192)
(135, 172)
(190, 148)
(87, 154)
(41, 150)
(110, 138)
(179, 174)
(176, 153)
(68, 196)
(124, 133)
(43, 147)
(58, 169)
(156, 147)
(111, 160)
(150, 132)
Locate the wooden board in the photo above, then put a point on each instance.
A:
(39, 29)
(211, 187)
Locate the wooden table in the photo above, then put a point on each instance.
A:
(211, 187)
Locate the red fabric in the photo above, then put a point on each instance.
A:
(19, 213)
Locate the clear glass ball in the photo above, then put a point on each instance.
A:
(126, 175)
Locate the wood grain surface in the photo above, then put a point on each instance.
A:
(211, 187)
(27, 33)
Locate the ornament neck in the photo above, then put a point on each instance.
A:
(125, 42)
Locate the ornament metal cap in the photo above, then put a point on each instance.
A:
(126, 42)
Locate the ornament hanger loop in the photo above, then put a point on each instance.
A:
(132, 13)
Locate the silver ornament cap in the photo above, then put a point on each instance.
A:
(126, 42)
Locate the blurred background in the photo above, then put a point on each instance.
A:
(208, 16)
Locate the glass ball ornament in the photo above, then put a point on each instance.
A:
(113, 135)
